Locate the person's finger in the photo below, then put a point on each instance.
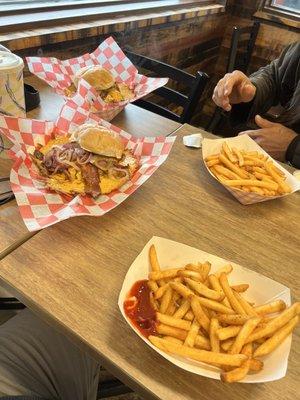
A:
(263, 123)
(251, 133)
(218, 96)
(247, 91)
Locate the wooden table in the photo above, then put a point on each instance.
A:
(133, 119)
(71, 273)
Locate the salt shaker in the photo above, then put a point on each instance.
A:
(12, 100)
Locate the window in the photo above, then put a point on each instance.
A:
(288, 8)
(25, 14)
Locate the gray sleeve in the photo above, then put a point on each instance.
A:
(293, 152)
(273, 86)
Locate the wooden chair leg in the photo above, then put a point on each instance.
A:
(215, 119)
(112, 388)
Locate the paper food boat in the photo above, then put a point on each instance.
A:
(41, 207)
(261, 290)
(59, 74)
(244, 142)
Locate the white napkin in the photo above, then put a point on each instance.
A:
(194, 140)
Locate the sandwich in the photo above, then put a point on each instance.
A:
(103, 82)
(92, 160)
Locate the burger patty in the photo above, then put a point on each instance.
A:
(90, 175)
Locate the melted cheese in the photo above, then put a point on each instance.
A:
(60, 183)
(58, 140)
(107, 185)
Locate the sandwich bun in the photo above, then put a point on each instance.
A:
(99, 140)
(99, 78)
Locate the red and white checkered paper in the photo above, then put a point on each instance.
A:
(41, 207)
(60, 73)
(244, 142)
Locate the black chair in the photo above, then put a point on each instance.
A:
(10, 303)
(194, 84)
(241, 48)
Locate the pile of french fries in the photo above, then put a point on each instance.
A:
(202, 317)
(249, 171)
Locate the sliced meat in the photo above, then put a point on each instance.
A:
(90, 176)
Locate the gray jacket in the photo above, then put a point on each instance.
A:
(277, 83)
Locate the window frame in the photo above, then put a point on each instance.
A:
(36, 17)
(279, 11)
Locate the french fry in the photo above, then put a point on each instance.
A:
(166, 273)
(226, 344)
(204, 290)
(237, 170)
(181, 289)
(193, 267)
(166, 300)
(191, 336)
(214, 339)
(200, 341)
(159, 292)
(200, 315)
(257, 190)
(197, 276)
(189, 315)
(214, 305)
(208, 357)
(239, 156)
(226, 269)
(153, 259)
(269, 308)
(204, 269)
(182, 309)
(284, 187)
(228, 332)
(226, 172)
(279, 336)
(153, 302)
(274, 324)
(239, 373)
(252, 183)
(243, 334)
(167, 330)
(175, 322)
(173, 340)
(226, 149)
(240, 288)
(212, 162)
(230, 295)
(153, 286)
(215, 284)
(212, 157)
(232, 319)
(249, 310)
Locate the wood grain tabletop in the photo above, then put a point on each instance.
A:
(133, 119)
(71, 273)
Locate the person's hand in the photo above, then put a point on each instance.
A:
(234, 88)
(272, 137)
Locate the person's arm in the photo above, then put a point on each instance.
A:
(274, 84)
(293, 152)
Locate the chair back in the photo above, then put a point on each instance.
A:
(241, 48)
(195, 86)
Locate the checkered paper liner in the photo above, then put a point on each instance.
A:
(60, 73)
(244, 142)
(40, 207)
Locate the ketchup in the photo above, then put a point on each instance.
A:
(139, 310)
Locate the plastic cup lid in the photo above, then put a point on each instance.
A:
(9, 60)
